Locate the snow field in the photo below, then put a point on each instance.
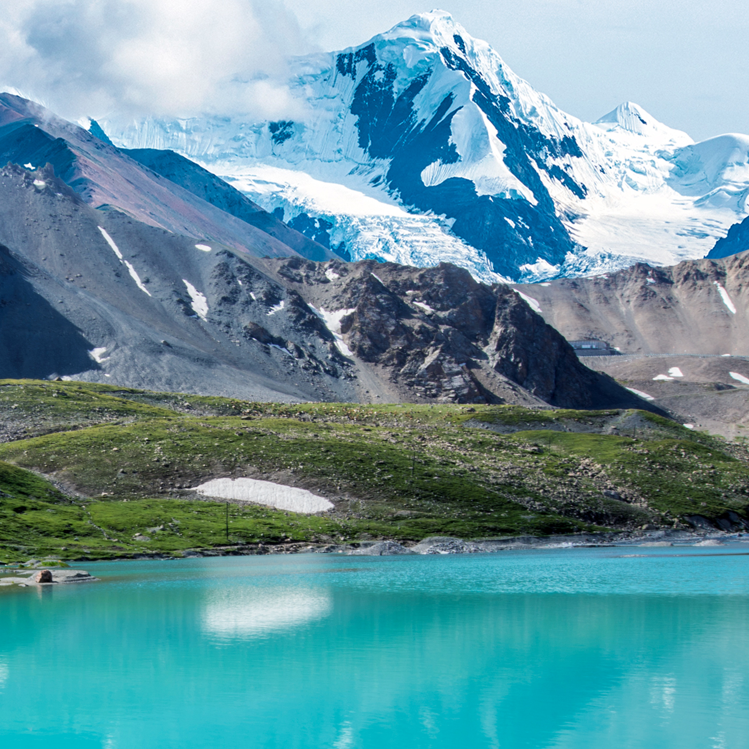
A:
(266, 493)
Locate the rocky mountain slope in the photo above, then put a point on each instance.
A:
(106, 276)
(105, 177)
(695, 307)
(96, 295)
(682, 332)
(422, 146)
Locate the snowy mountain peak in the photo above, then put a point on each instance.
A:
(437, 26)
(632, 118)
(422, 146)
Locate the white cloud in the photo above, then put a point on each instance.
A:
(96, 57)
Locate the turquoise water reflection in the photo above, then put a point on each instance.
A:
(578, 649)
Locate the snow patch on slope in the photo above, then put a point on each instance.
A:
(266, 493)
(332, 321)
(726, 299)
(739, 378)
(641, 394)
(198, 301)
(131, 270)
(97, 355)
(530, 301)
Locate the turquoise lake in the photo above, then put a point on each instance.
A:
(567, 648)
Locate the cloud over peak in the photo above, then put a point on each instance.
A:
(135, 57)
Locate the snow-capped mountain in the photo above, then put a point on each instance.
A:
(422, 146)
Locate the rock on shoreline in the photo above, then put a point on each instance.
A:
(25, 578)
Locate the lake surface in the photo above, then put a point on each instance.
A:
(569, 649)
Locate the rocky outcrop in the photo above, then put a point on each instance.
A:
(437, 334)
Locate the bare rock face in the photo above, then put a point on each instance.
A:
(696, 307)
(436, 334)
(43, 576)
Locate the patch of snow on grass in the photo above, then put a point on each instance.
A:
(424, 306)
(530, 301)
(128, 265)
(203, 247)
(97, 355)
(266, 493)
(675, 372)
(331, 275)
(688, 426)
(739, 378)
(199, 302)
(276, 308)
(664, 378)
(726, 299)
(641, 394)
(332, 321)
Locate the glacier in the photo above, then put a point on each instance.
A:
(421, 146)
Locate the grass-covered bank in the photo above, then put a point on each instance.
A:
(122, 462)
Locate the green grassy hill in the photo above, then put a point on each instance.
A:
(98, 471)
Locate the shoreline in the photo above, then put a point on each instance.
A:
(442, 545)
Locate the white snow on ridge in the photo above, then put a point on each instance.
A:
(199, 302)
(530, 301)
(675, 372)
(641, 394)
(424, 306)
(726, 299)
(131, 270)
(332, 321)
(276, 307)
(266, 493)
(203, 247)
(331, 275)
(663, 378)
(739, 378)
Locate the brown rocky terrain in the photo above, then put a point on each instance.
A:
(692, 318)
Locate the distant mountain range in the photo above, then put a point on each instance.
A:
(421, 146)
